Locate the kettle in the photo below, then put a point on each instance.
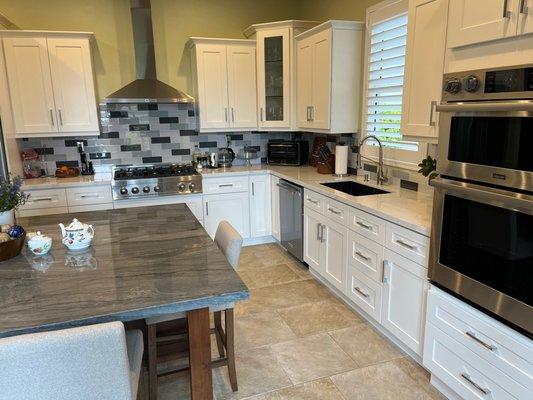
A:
(212, 160)
(225, 157)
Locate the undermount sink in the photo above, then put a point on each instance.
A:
(353, 188)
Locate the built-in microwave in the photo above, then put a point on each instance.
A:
(284, 152)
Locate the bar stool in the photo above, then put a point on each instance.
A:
(91, 362)
(170, 331)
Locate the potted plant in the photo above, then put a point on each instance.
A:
(428, 167)
(11, 197)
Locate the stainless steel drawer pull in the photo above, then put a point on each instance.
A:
(91, 195)
(312, 201)
(358, 290)
(226, 185)
(467, 378)
(473, 336)
(36, 199)
(364, 225)
(362, 256)
(334, 211)
(402, 243)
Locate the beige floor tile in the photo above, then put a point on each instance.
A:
(317, 317)
(419, 375)
(260, 329)
(257, 372)
(268, 276)
(323, 389)
(172, 388)
(311, 358)
(300, 269)
(365, 345)
(384, 381)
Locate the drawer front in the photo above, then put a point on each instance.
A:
(463, 371)
(500, 346)
(314, 201)
(35, 212)
(367, 225)
(336, 211)
(365, 255)
(364, 292)
(46, 198)
(409, 244)
(230, 184)
(89, 195)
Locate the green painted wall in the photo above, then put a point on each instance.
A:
(174, 22)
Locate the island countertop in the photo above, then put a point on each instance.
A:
(144, 261)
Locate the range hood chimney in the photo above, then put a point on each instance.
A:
(146, 88)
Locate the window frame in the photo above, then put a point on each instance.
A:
(395, 157)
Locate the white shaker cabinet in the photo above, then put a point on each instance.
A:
(260, 205)
(424, 66)
(328, 59)
(404, 300)
(312, 240)
(232, 207)
(275, 214)
(478, 21)
(224, 81)
(333, 256)
(51, 86)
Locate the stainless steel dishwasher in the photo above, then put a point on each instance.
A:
(291, 217)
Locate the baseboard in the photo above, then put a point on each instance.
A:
(258, 240)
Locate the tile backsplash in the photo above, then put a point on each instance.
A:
(145, 133)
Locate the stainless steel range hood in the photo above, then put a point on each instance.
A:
(146, 88)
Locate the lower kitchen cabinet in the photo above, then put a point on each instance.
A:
(232, 207)
(312, 240)
(404, 300)
(260, 220)
(274, 180)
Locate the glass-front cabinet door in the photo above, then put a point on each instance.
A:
(273, 64)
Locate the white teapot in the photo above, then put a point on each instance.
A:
(77, 236)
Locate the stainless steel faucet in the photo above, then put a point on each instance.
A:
(381, 178)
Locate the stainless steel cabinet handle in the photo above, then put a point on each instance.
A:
(362, 256)
(226, 114)
(36, 199)
(385, 264)
(363, 225)
(467, 378)
(253, 189)
(432, 107)
(334, 211)
(358, 290)
(318, 226)
(60, 116)
(407, 245)
(52, 117)
(261, 114)
(322, 233)
(473, 336)
(232, 114)
(523, 7)
(226, 185)
(308, 110)
(312, 113)
(506, 13)
(312, 201)
(206, 208)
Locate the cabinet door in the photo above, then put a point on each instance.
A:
(334, 253)
(273, 67)
(232, 207)
(321, 80)
(525, 17)
(275, 207)
(304, 76)
(212, 78)
(404, 300)
(260, 222)
(72, 82)
(312, 240)
(424, 66)
(242, 86)
(478, 21)
(30, 84)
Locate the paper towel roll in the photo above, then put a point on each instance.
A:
(341, 159)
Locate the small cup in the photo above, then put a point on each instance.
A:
(40, 244)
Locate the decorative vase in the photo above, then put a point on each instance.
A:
(7, 217)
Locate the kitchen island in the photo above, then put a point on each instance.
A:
(143, 262)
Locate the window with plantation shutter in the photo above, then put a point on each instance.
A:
(385, 60)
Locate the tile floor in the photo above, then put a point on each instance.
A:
(295, 340)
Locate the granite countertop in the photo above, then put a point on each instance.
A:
(53, 182)
(405, 207)
(144, 261)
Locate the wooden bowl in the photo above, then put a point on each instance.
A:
(12, 248)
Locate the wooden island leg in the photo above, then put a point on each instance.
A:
(200, 354)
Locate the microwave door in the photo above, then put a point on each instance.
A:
(482, 248)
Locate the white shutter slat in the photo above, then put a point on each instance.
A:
(387, 72)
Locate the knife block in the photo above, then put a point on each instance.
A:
(327, 167)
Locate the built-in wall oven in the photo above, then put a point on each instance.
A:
(482, 232)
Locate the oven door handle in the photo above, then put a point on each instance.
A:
(486, 194)
(520, 105)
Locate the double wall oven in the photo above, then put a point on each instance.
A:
(482, 233)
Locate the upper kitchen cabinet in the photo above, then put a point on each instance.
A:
(50, 80)
(424, 66)
(478, 21)
(328, 59)
(224, 76)
(276, 72)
